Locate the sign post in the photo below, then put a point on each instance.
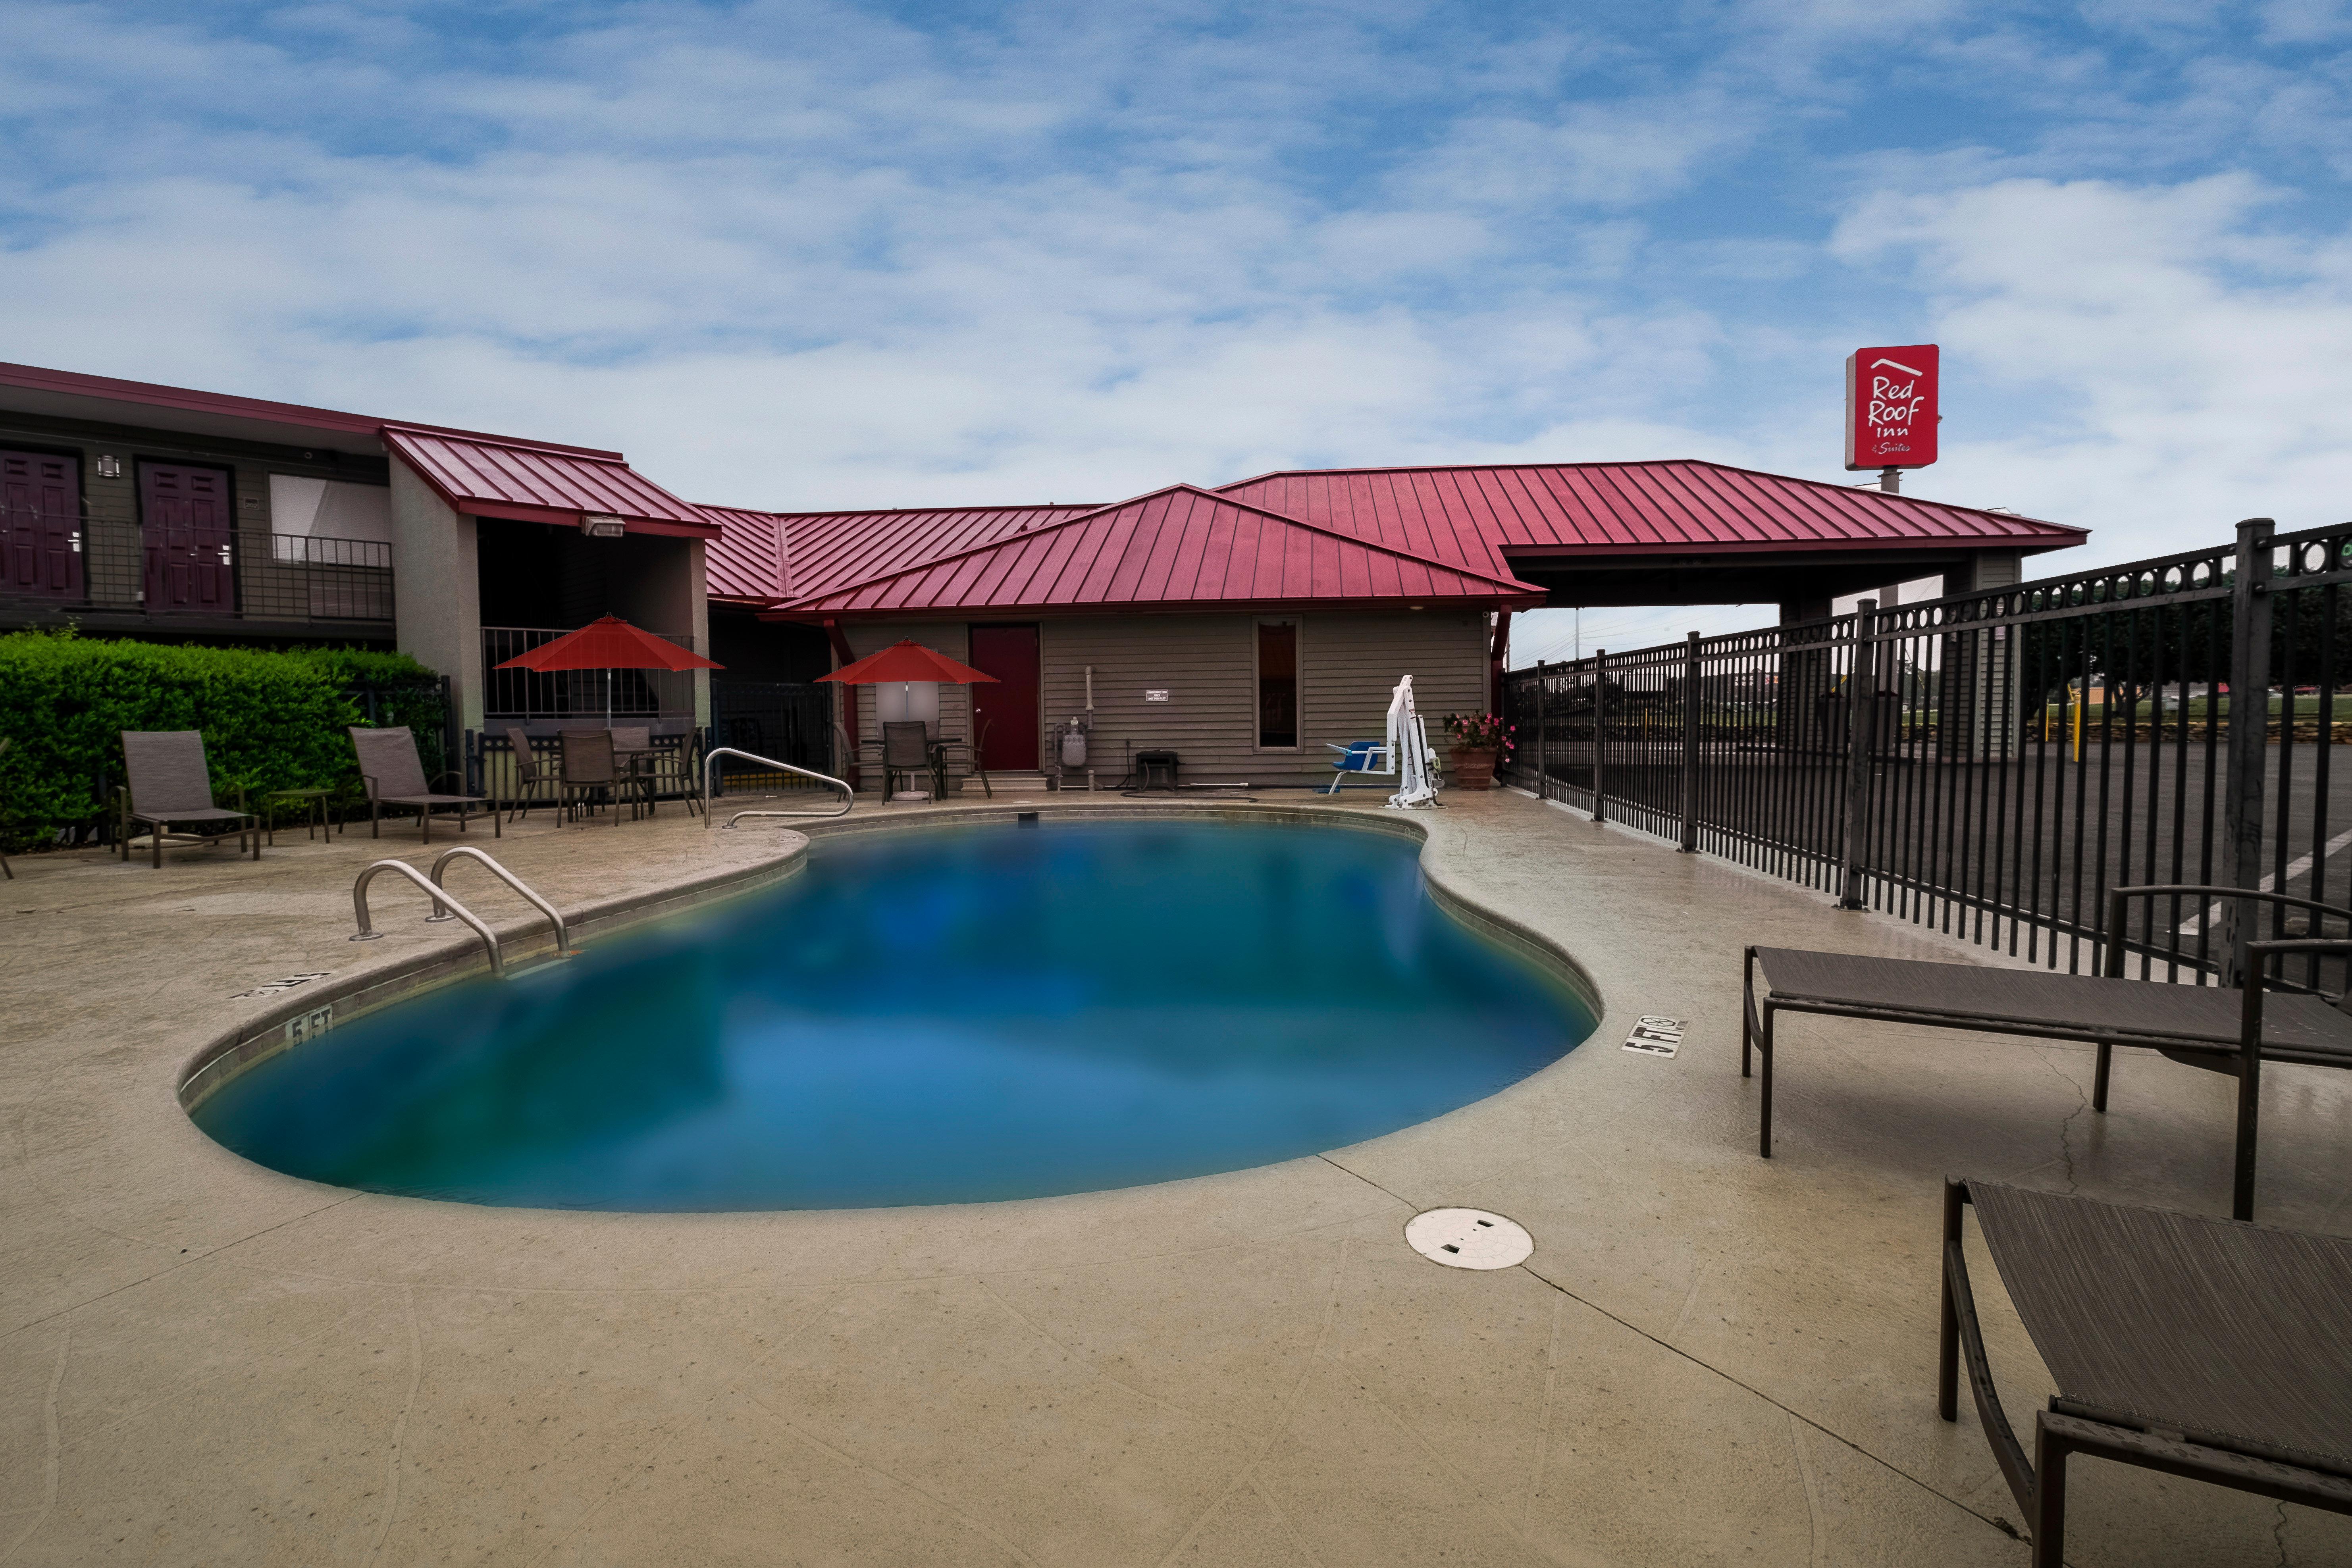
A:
(1891, 396)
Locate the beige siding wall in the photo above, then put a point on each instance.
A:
(1203, 662)
(1208, 666)
(1353, 663)
(1349, 663)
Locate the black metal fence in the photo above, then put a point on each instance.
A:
(1990, 764)
(789, 721)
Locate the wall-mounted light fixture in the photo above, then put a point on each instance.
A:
(601, 525)
(110, 466)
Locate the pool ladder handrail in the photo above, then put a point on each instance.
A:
(367, 931)
(709, 774)
(467, 852)
(445, 906)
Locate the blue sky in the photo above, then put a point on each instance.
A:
(809, 255)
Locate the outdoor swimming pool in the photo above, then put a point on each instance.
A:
(934, 1016)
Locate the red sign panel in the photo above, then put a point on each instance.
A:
(1890, 408)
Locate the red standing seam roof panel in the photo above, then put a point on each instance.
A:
(1471, 515)
(1182, 545)
(746, 562)
(472, 473)
(828, 550)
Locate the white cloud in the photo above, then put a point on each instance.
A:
(2150, 361)
(803, 254)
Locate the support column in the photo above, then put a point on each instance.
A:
(437, 590)
(2247, 760)
(1690, 747)
(1861, 713)
(1806, 677)
(1976, 715)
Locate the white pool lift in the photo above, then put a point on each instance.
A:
(1405, 755)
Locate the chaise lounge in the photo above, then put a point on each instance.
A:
(393, 775)
(169, 783)
(2211, 1026)
(2199, 1347)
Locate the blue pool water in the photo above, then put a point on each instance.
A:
(934, 1016)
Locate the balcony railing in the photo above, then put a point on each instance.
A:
(112, 569)
(530, 694)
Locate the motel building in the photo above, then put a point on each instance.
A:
(1244, 627)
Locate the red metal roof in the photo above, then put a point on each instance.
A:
(487, 478)
(746, 562)
(1179, 546)
(73, 384)
(1482, 515)
(824, 551)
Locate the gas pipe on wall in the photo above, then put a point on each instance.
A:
(1074, 735)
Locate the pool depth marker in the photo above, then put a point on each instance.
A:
(1655, 1037)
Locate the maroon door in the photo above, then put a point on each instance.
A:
(40, 525)
(188, 516)
(1004, 714)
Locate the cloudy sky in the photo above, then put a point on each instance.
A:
(798, 255)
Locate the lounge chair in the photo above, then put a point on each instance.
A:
(169, 783)
(2211, 1026)
(393, 775)
(2199, 1347)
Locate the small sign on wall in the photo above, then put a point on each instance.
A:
(1155, 693)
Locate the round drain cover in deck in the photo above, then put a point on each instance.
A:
(1469, 1239)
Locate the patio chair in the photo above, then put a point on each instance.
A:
(5, 872)
(589, 766)
(169, 783)
(2221, 1029)
(906, 751)
(2198, 1347)
(393, 775)
(641, 766)
(532, 776)
(662, 767)
(967, 752)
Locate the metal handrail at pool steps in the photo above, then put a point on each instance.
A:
(446, 907)
(709, 776)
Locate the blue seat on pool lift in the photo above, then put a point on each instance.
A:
(1357, 757)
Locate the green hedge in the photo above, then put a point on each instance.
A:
(270, 720)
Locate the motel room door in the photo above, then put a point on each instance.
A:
(40, 525)
(188, 518)
(1005, 715)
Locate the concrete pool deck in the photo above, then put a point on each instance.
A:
(1709, 1357)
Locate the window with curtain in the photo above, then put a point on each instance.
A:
(1277, 683)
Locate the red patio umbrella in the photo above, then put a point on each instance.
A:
(902, 661)
(609, 643)
(905, 661)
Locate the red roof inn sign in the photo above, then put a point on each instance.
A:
(1890, 408)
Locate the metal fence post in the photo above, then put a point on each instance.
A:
(1600, 734)
(1539, 731)
(2248, 757)
(1690, 746)
(1860, 711)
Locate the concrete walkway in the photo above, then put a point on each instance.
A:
(1709, 1357)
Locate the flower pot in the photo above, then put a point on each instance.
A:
(1471, 767)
